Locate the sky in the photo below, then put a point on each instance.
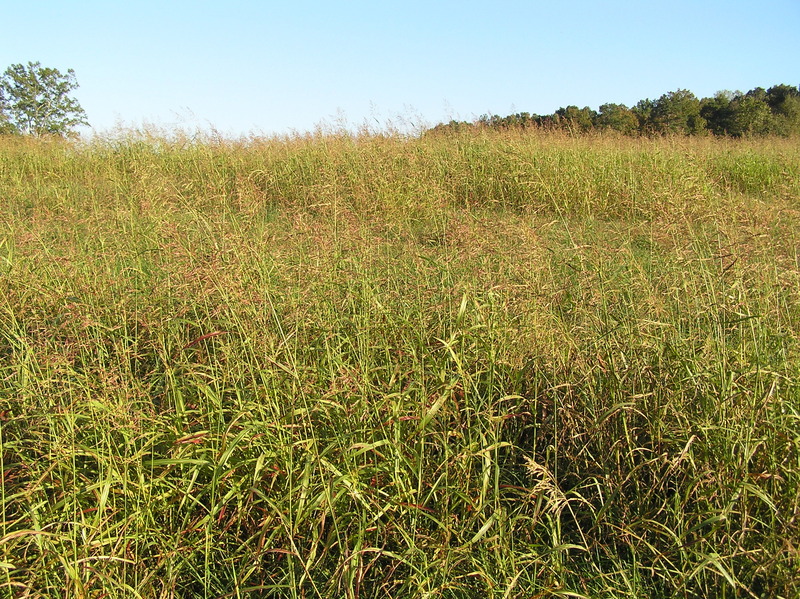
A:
(244, 67)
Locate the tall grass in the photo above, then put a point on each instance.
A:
(361, 365)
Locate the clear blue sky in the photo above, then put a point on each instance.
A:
(272, 67)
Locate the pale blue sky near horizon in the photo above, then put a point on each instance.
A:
(245, 66)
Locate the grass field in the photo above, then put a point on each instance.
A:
(489, 365)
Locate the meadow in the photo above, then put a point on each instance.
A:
(488, 364)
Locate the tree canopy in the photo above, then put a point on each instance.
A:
(774, 111)
(35, 100)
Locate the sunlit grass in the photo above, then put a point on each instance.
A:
(363, 366)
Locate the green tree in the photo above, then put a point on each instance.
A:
(35, 100)
(718, 112)
(778, 95)
(453, 126)
(644, 114)
(750, 115)
(6, 127)
(784, 102)
(678, 112)
(737, 114)
(618, 117)
(759, 93)
(576, 119)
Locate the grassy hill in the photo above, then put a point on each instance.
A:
(477, 365)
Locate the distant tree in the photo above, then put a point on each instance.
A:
(759, 93)
(451, 127)
(6, 127)
(36, 100)
(493, 121)
(718, 112)
(520, 120)
(576, 119)
(750, 115)
(677, 112)
(777, 95)
(784, 104)
(644, 114)
(736, 114)
(618, 117)
(757, 112)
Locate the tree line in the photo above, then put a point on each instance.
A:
(774, 111)
(36, 100)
